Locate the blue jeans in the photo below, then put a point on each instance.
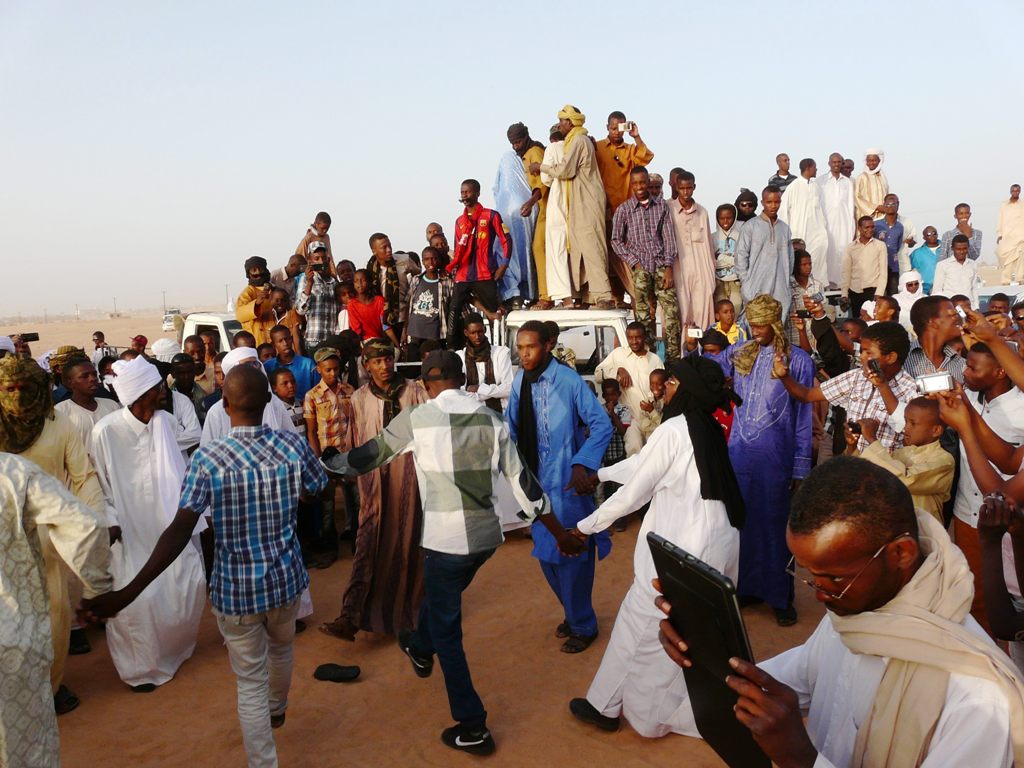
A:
(439, 629)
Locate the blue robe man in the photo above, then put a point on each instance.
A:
(770, 447)
(511, 190)
(571, 429)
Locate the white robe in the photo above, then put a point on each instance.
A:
(83, 419)
(141, 471)
(187, 429)
(837, 687)
(636, 679)
(804, 211)
(837, 201)
(556, 230)
(218, 423)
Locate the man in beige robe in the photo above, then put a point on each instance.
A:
(1010, 237)
(694, 274)
(588, 248)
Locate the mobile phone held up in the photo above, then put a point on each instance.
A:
(875, 367)
(694, 333)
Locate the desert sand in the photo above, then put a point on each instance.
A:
(389, 717)
(119, 331)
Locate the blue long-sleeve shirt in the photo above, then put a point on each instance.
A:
(572, 428)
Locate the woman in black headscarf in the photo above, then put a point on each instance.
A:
(685, 472)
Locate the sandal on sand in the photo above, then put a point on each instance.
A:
(578, 643)
(341, 628)
(563, 630)
(336, 673)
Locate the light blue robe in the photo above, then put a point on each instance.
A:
(565, 408)
(511, 190)
(764, 261)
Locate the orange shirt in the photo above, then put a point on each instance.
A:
(615, 165)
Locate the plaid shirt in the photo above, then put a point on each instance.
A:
(332, 414)
(460, 446)
(643, 235)
(319, 307)
(918, 364)
(251, 481)
(855, 392)
(616, 450)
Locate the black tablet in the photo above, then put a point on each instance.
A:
(706, 613)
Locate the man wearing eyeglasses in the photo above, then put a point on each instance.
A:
(616, 160)
(897, 673)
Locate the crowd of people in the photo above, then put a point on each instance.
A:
(138, 483)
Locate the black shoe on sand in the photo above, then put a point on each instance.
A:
(478, 742)
(587, 712)
(422, 667)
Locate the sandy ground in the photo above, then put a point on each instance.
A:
(119, 331)
(389, 716)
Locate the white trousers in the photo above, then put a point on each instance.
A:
(260, 649)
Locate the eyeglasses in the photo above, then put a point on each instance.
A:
(791, 570)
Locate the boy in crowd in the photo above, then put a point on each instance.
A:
(265, 352)
(563, 354)
(302, 368)
(727, 281)
(725, 321)
(922, 464)
(218, 382)
(958, 275)
(926, 256)
(430, 294)
(345, 293)
(282, 383)
(316, 233)
(327, 411)
(243, 339)
(616, 450)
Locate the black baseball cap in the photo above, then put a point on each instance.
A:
(447, 362)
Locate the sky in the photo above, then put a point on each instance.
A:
(152, 147)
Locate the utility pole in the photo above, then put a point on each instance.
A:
(44, 316)
(115, 305)
(226, 298)
(164, 293)
(78, 314)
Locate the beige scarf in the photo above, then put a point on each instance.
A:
(921, 633)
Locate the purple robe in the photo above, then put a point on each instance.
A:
(770, 446)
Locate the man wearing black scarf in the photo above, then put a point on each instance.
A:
(685, 473)
(562, 432)
(488, 368)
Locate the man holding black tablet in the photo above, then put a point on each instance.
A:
(897, 673)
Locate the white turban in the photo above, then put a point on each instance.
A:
(236, 356)
(881, 160)
(165, 349)
(7, 344)
(133, 378)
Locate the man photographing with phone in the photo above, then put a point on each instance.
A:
(897, 673)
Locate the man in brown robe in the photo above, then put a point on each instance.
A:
(386, 583)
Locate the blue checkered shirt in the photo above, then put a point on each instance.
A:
(251, 480)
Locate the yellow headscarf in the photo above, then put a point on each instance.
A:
(761, 310)
(24, 411)
(571, 113)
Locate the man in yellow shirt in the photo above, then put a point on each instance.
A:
(532, 151)
(616, 160)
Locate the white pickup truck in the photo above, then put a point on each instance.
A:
(224, 324)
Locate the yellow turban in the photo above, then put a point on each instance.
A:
(569, 112)
(761, 310)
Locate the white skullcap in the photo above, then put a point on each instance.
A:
(7, 344)
(236, 356)
(133, 378)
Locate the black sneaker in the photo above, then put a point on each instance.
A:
(587, 712)
(422, 667)
(785, 617)
(478, 742)
(78, 643)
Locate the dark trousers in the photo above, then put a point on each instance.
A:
(857, 300)
(484, 290)
(573, 585)
(892, 284)
(439, 629)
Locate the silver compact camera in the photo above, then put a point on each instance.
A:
(933, 382)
